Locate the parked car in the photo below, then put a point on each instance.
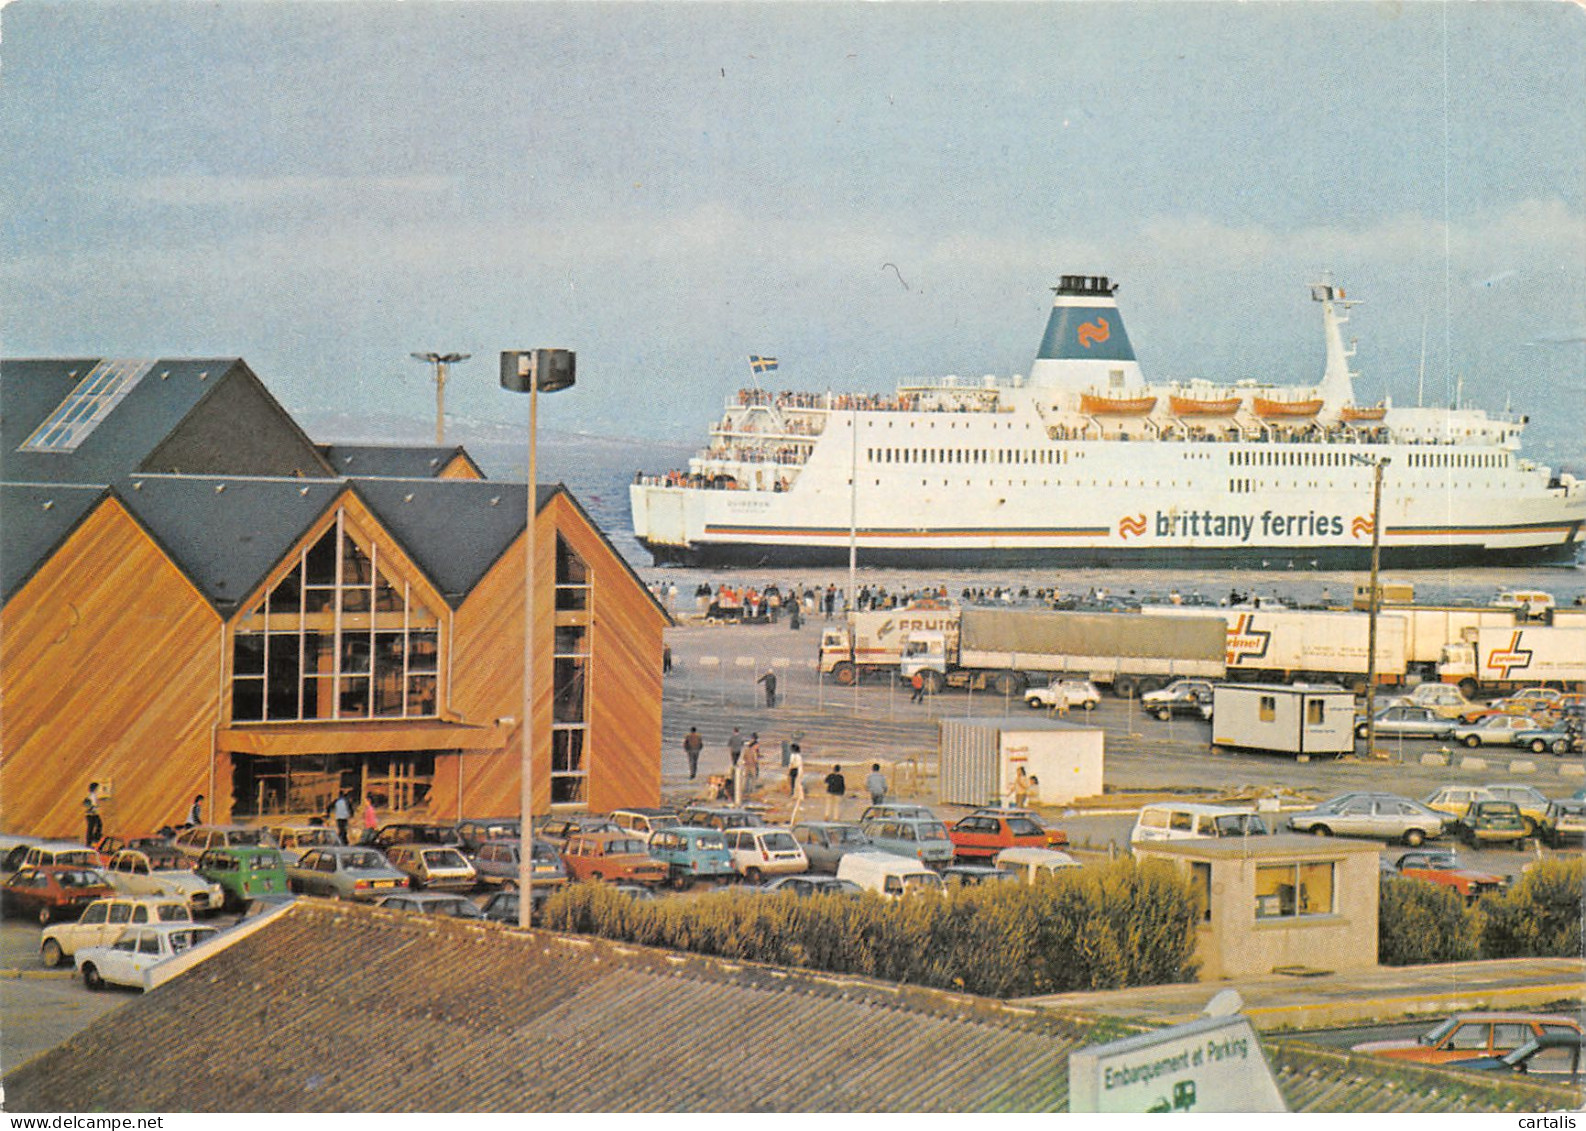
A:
(556, 831)
(61, 854)
(294, 840)
(924, 839)
(244, 873)
(1468, 1035)
(691, 854)
(1532, 801)
(1492, 822)
(1527, 701)
(195, 841)
(1408, 721)
(825, 842)
(611, 856)
(108, 846)
(344, 872)
(643, 822)
(103, 921)
(472, 832)
(980, 836)
(1453, 800)
(441, 867)
(129, 960)
(1183, 820)
(720, 817)
(1445, 870)
(1064, 694)
(1055, 838)
(1181, 697)
(888, 875)
(1564, 820)
(163, 872)
(1032, 865)
(807, 884)
(502, 907)
(432, 903)
(393, 833)
(53, 892)
(973, 875)
(1553, 1058)
(498, 862)
(906, 812)
(1495, 730)
(1444, 698)
(1561, 737)
(763, 851)
(1382, 815)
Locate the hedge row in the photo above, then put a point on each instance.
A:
(1539, 917)
(1122, 924)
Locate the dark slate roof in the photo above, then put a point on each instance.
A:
(226, 533)
(36, 518)
(34, 387)
(398, 462)
(454, 529)
(348, 1008)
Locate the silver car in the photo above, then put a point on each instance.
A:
(345, 873)
(1383, 815)
(1495, 730)
(1408, 721)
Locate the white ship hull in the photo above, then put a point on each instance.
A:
(1019, 475)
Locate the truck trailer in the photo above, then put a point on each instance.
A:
(1506, 659)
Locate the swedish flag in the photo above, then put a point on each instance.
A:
(761, 364)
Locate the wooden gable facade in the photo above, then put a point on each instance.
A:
(115, 668)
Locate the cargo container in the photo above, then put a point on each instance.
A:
(1005, 650)
(1301, 719)
(980, 760)
(1428, 629)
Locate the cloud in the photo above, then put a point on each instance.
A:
(232, 191)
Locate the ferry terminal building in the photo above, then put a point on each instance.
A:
(199, 599)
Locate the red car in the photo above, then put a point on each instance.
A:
(612, 857)
(1443, 868)
(53, 891)
(987, 832)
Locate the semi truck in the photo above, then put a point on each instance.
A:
(1282, 645)
(871, 643)
(1004, 651)
(1516, 656)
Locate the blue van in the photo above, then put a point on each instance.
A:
(691, 854)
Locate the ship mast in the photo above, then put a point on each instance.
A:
(1338, 386)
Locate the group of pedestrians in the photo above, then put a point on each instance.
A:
(744, 758)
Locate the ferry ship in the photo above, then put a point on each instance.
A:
(1083, 463)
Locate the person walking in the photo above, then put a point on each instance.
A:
(751, 761)
(917, 681)
(195, 815)
(795, 765)
(769, 679)
(836, 789)
(735, 747)
(692, 745)
(876, 784)
(371, 819)
(341, 809)
(666, 659)
(93, 827)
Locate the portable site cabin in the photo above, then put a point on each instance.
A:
(1299, 719)
(981, 760)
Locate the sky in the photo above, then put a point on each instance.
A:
(867, 192)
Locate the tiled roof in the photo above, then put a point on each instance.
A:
(417, 461)
(37, 518)
(347, 1008)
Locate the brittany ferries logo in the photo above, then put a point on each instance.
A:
(1092, 332)
(1239, 527)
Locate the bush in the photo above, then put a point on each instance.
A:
(1540, 917)
(1122, 924)
(1420, 922)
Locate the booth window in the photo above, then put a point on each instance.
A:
(1294, 890)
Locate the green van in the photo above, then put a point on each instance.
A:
(244, 874)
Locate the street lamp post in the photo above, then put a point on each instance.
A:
(1375, 600)
(440, 361)
(532, 372)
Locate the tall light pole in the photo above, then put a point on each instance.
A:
(1377, 464)
(440, 361)
(532, 372)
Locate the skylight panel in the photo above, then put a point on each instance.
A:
(75, 418)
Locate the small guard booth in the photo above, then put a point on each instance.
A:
(981, 758)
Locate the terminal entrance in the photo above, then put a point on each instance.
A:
(306, 784)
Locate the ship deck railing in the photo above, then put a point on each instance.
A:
(914, 398)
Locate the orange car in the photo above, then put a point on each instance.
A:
(1467, 1035)
(984, 834)
(611, 856)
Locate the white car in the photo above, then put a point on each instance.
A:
(1494, 730)
(129, 960)
(1443, 698)
(104, 921)
(1062, 694)
(764, 851)
(134, 871)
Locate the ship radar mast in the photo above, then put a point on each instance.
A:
(1337, 386)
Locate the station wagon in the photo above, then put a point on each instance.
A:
(691, 854)
(244, 873)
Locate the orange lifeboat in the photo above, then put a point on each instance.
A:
(1352, 414)
(1289, 410)
(1094, 404)
(1203, 406)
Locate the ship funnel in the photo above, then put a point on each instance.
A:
(1085, 344)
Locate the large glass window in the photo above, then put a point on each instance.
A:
(337, 637)
(569, 680)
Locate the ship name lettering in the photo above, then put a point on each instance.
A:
(1242, 527)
